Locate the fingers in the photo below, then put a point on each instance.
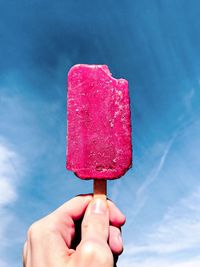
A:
(117, 218)
(96, 221)
(64, 217)
(115, 240)
(75, 207)
(50, 239)
(93, 249)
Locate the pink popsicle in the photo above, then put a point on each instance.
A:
(99, 127)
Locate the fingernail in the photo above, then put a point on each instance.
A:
(99, 206)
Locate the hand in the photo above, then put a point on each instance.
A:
(50, 241)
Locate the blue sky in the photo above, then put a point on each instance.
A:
(155, 45)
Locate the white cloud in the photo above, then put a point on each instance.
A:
(11, 170)
(9, 174)
(157, 262)
(7, 192)
(3, 264)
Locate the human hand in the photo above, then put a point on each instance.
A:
(50, 240)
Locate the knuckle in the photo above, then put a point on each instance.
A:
(95, 251)
(95, 225)
(33, 230)
(42, 228)
(84, 226)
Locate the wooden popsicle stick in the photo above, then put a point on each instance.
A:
(100, 188)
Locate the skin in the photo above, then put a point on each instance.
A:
(54, 240)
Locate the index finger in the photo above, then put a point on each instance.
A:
(75, 207)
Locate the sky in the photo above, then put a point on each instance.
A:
(155, 45)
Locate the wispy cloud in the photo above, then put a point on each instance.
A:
(188, 98)
(172, 237)
(177, 232)
(151, 177)
(159, 155)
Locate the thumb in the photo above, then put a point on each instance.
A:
(95, 223)
(93, 249)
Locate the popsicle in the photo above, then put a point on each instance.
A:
(98, 124)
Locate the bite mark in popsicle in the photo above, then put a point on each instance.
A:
(99, 128)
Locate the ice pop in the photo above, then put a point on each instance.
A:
(98, 123)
